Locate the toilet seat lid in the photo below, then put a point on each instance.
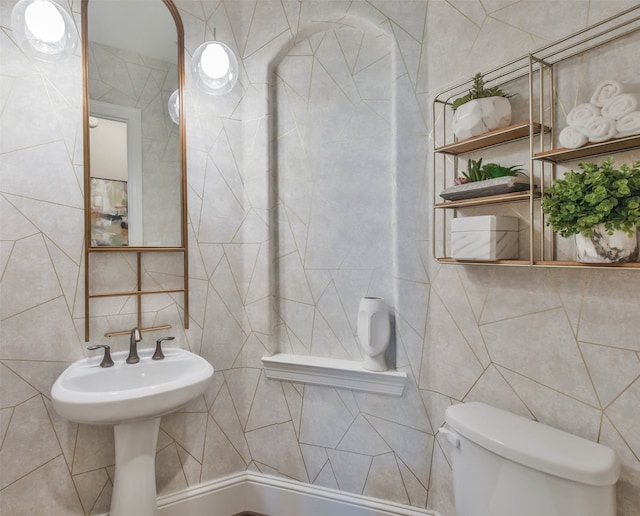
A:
(534, 444)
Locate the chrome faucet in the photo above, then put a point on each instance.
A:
(133, 357)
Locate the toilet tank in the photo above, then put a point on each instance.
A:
(506, 465)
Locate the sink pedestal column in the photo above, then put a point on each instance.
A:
(134, 486)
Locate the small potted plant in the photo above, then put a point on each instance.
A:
(481, 110)
(476, 171)
(600, 205)
(490, 179)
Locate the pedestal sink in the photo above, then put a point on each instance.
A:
(132, 397)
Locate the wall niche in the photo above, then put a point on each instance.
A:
(333, 169)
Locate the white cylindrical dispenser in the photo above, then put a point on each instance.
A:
(374, 332)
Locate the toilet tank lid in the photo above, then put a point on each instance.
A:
(534, 444)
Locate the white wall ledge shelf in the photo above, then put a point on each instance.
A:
(332, 372)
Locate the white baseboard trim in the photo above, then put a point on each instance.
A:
(275, 496)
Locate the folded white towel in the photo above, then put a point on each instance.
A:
(607, 90)
(581, 114)
(572, 137)
(599, 129)
(628, 125)
(621, 105)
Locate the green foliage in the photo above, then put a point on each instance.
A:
(476, 171)
(598, 194)
(478, 91)
(495, 170)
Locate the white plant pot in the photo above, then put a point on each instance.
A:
(604, 248)
(480, 116)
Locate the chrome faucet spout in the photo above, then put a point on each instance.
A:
(136, 337)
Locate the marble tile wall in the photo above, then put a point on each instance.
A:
(536, 342)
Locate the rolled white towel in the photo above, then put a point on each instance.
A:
(572, 137)
(581, 114)
(628, 125)
(599, 129)
(621, 105)
(607, 90)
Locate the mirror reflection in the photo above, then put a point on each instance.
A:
(134, 143)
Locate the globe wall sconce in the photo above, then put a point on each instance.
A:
(215, 68)
(44, 29)
(174, 107)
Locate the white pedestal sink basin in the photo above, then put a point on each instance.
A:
(132, 397)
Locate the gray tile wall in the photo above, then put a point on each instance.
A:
(296, 210)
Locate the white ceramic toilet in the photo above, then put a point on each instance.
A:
(506, 465)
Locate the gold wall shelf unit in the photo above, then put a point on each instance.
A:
(534, 77)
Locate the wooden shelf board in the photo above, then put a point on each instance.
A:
(490, 199)
(567, 263)
(542, 263)
(591, 149)
(503, 135)
(483, 262)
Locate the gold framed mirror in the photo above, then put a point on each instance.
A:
(134, 143)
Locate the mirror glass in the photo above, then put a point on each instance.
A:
(135, 156)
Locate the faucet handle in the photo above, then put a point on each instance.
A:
(106, 359)
(158, 355)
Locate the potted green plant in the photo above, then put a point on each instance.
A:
(476, 171)
(481, 110)
(489, 179)
(600, 205)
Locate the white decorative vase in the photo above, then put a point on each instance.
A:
(604, 248)
(374, 332)
(479, 116)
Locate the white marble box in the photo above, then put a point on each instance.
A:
(486, 237)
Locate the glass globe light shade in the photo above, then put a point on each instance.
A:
(44, 29)
(215, 68)
(174, 107)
